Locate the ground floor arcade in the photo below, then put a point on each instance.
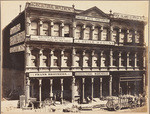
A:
(83, 86)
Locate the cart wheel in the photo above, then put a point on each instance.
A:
(117, 107)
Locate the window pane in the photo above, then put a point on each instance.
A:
(95, 37)
(137, 38)
(104, 36)
(114, 36)
(78, 32)
(122, 35)
(87, 33)
(34, 28)
(56, 29)
(66, 30)
(130, 37)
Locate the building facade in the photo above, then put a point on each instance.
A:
(64, 53)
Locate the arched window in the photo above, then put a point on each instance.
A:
(66, 31)
(78, 32)
(45, 29)
(86, 60)
(114, 35)
(34, 60)
(34, 28)
(87, 33)
(77, 58)
(105, 34)
(137, 37)
(95, 37)
(130, 38)
(56, 29)
(122, 36)
(45, 59)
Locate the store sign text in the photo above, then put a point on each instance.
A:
(91, 73)
(92, 19)
(15, 29)
(51, 7)
(94, 42)
(17, 48)
(52, 39)
(51, 74)
(130, 17)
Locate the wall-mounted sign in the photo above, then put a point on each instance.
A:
(50, 74)
(52, 39)
(94, 42)
(17, 38)
(17, 48)
(130, 17)
(15, 29)
(51, 7)
(92, 19)
(92, 74)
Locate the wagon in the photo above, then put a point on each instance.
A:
(126, 101)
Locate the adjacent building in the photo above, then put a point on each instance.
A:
(52, 51)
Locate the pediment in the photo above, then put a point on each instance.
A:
(94, 12)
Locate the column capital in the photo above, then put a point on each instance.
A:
(83, 80)
(40, 82)
(62, 52)
(93, 52)
(101, 79)
(52, 23)
(93, 27)
(84, 52)
(40, 22)
(110, 78)
(41, 52)
(119, 30)
(84, 26)
(92, 80)
(51, 81)
(61, 81)
(101, 28)
(111, 28)
(62, 24)
(128, 31)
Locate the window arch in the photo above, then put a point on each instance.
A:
(45, 28)
(34, 28)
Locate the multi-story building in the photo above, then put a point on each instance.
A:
(62, 52)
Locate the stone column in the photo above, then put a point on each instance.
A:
(27, 90)
(111, 58)
(62, 89)
(92, 82)
(120, 59)
(28, 56)
(128, 55)
(52, 28)
(102, 54)
(41, 58)
(51, 88)
(73, 56)
(135, 60)
(83, 32)
(40, 91)
(119, 36)
(110, 86)
(101, 33)
(52, 55)
(101, 90)
(73, 89)
(28, 26)
(92, 36)
(62, 29)
(83, 82)
(111, 33)
(62, 58)
(93, 65)
(144, 89)
(144, 64)
(41, 27)
(84, 59)
(127, 35)
(74, 30)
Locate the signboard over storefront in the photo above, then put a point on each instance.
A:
(50, 74)
(52, 39)
(92, 74)
(94, 42)
(130, 17)
(92, 19)
(51, 7)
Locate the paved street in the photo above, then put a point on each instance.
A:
(10, 107)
